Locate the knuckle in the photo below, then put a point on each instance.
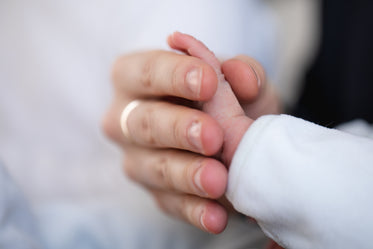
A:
(177, 77)
(147, 126)
(147, 72)
(164, 174)
(149, 68)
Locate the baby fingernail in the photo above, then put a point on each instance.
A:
(194, 135)
(193, 79)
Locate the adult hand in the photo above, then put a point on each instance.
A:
(168, 144)
(224, 106)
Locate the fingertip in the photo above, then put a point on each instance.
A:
(243, 79)
(215, 218)
(213, 178)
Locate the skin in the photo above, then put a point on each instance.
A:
(224, 106)
(181, 169)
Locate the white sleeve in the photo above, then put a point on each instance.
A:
(307, 186)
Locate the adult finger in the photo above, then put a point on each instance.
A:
(163, 73)
(176, 171)
(246, 77)
(205, 214)
(160, 124)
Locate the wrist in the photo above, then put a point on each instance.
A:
(233, 135)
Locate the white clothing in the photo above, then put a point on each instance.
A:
(306, 185)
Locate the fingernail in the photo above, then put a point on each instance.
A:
(201, 221)
(197, 182)
(193, 79)
(256, 75)
(194, 135)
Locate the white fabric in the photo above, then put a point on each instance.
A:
(55, 64)
(306, 185)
